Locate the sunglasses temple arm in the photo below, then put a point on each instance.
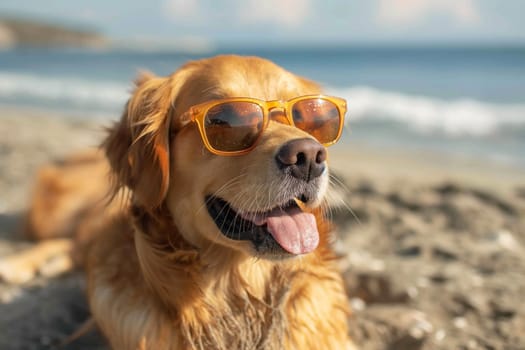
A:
(185, 118)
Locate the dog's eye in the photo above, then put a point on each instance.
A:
(297, 116)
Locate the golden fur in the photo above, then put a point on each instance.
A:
(160, 276)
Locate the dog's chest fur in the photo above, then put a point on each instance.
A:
(188, 305)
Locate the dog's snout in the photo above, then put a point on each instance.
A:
(304, 159)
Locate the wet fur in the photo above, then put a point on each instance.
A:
(160, 276)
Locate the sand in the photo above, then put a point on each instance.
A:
(432, 247)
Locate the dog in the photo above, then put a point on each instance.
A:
(214, 235)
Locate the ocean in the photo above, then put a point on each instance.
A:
(460, 101)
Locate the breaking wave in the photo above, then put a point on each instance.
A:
(73, 92)
(461, 117)
(421, 114)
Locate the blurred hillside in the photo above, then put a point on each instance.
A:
(18, 32)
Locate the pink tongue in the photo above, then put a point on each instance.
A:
(294, 230)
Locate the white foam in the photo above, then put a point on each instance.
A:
(426, 114)
(461, 117)
(76, 91)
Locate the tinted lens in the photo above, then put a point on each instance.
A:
(233, 126)
(318, 117)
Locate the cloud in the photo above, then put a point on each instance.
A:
(290, 13)
(406, 12)
(182, 10)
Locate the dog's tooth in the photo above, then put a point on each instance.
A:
(300, 204)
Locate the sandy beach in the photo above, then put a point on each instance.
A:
(432, 246)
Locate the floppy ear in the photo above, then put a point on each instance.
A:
(137, 146)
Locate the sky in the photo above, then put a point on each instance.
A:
(263, 22)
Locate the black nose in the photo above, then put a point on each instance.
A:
(304, 159)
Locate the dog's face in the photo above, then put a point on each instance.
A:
(257, 203)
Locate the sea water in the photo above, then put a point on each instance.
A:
(456, 100)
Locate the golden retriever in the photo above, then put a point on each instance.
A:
(163, 271)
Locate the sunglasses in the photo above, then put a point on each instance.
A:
(233, 126)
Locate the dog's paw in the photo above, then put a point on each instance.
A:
(14, 270)
(56, 266)
(49, 259)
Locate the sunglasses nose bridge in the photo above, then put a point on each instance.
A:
(277, 112)
(278, 115)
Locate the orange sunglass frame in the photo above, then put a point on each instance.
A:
(198, 113)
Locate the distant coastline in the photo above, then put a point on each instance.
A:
(22, 32)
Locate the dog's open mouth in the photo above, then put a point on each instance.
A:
(287, 228)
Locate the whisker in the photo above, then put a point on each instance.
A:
(340, 200)
(226, 186)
